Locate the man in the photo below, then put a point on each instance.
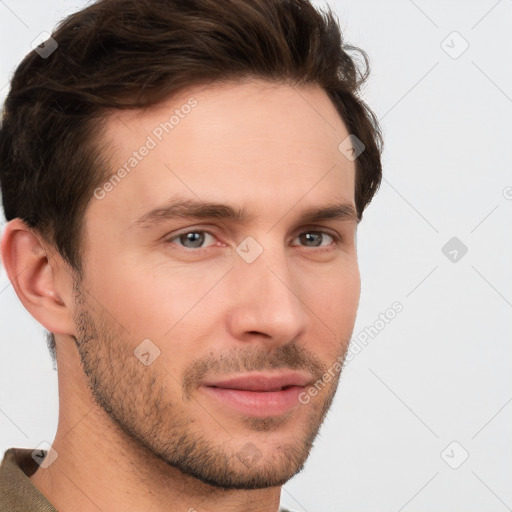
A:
(183, 182)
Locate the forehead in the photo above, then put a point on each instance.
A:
(250, 142)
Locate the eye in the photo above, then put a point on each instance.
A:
(316, 238)
(192, 239)
(198, 239)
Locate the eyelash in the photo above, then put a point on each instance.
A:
(336, 238)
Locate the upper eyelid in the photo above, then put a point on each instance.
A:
(209, 228)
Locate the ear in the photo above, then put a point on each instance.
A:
(41, 279)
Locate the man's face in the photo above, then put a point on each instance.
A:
(171, 307)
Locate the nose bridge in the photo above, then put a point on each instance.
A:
(268, 301)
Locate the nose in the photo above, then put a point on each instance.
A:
(267, 303)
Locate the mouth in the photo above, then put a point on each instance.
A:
(259, 395)
(255, 390)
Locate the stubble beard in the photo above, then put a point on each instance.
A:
(145, 412)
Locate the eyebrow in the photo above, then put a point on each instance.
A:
(197, 209)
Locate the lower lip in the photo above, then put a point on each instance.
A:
(257, 403)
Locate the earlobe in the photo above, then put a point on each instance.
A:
(39, 278)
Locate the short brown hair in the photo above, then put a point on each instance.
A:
(121, 54)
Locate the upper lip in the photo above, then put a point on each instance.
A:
(262, 382)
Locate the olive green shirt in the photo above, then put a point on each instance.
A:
(17, 492)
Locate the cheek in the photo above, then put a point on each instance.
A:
(156, 302)
(334, 300)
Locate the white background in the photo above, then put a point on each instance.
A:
(441, 370)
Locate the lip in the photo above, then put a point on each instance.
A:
(262, 381)
(258, 394)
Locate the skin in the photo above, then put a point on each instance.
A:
(147, 437)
